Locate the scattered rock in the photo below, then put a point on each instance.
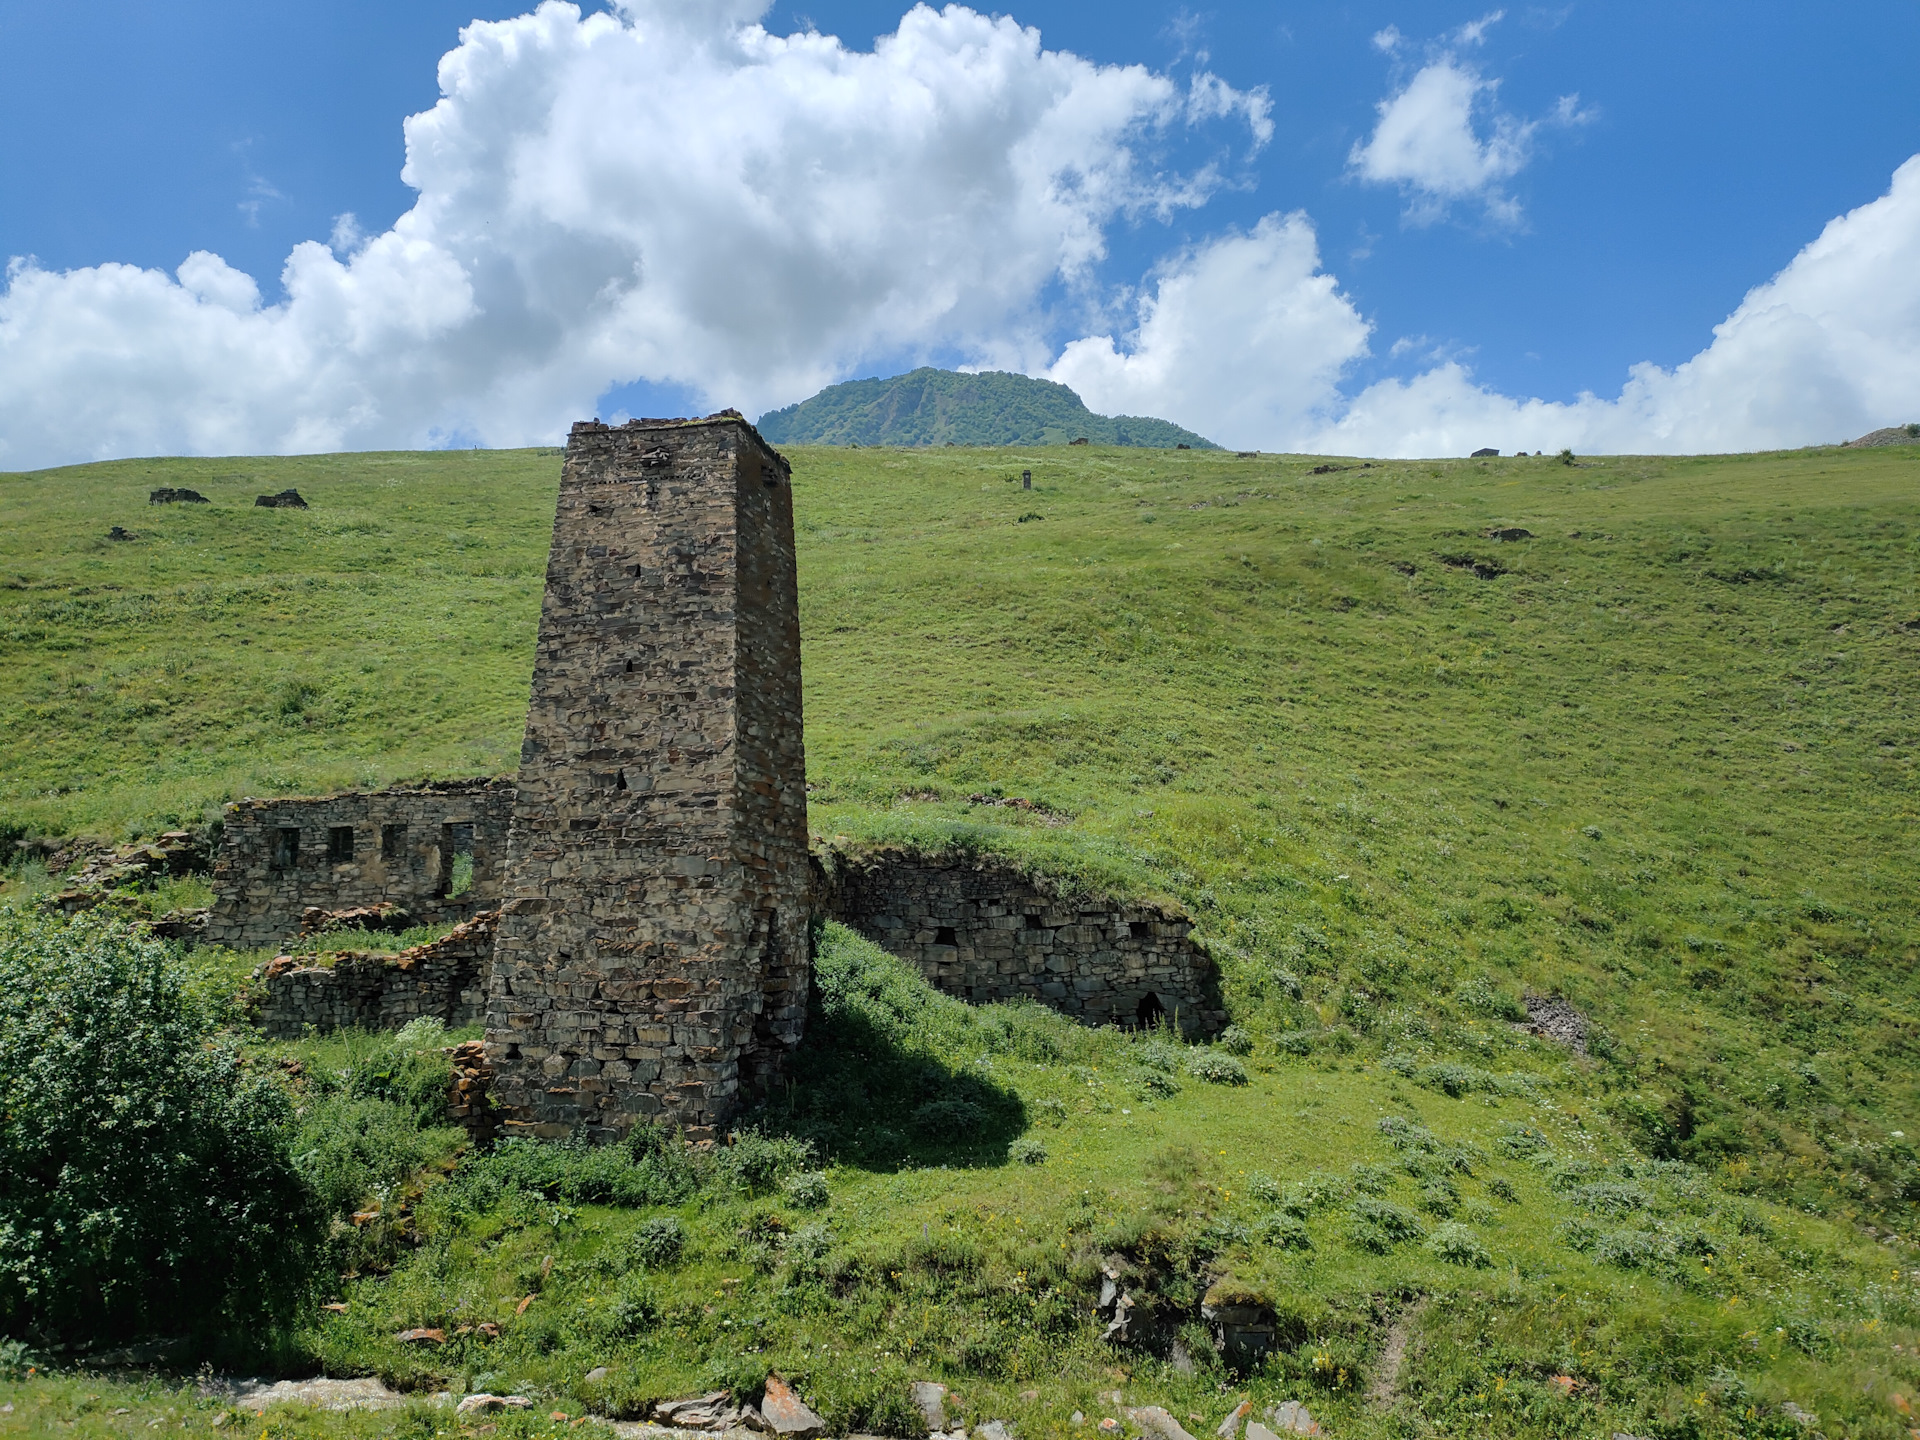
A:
(930, 1399)
(1800, 1417)
(1507, 533)
(598, 1374)
(422, 1336)
(1891, 435)
(787, 1413)
(168, 495)
(1248, 454)
(1109, 1426)
(117, 533)
(487, 1404)
(320, 1393)
(285, 500)
(992, 1430)
(1081, 441)
(1077, 1418)
(1554, 1018)
(1290, 1417)
(712, 1411)
(1029, 1395)
(1230, 1427)
(1157, 1422)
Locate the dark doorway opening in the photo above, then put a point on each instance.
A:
(286, 847)
(1150, 1012)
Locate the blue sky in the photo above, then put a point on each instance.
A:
(1669, 158)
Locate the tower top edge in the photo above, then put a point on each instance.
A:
(587, 431)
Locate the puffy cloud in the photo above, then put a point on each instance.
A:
(670, 194)
(1428, 140)
(1242, 339)
(1246, 340)
(1827, 349)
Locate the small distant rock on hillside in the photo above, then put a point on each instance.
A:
(1891, 435)
(943, 407)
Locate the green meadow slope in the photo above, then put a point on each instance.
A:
(1654, 754)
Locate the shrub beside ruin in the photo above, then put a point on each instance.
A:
(146, 1179)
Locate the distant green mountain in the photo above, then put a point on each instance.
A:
(940, 407)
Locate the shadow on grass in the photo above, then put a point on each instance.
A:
(891, 1074)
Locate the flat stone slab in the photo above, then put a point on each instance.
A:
(321, 1394)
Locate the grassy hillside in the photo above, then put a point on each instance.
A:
(1655, 755)
(943, 407)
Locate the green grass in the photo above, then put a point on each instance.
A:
(1661, 764)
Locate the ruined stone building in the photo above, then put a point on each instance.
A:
(649, 956)
(981, 928)
(434, 850)
(652, 955)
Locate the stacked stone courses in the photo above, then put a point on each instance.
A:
(982, 929)
(444, 980)
(353, 850)
(652, 959)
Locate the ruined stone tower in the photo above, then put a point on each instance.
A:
(652, 958)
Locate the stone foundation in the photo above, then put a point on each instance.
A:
(280, 858)
(981, 929)
(445, 979)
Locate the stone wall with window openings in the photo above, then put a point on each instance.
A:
(434, 850)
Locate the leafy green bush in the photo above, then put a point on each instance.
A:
(658, 1243)
(808, 1189)
(146, 1180)
(1458, 1245)
(1027, 1150)
(1216, 1069)
(1236, 1041)
(755, 1164)
(1379, 1225)
(1284, 1232)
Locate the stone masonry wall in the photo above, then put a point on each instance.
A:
(981, 930)
(445, 979)
(652, 958)
(339, 852)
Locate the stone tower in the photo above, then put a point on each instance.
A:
(652, 959)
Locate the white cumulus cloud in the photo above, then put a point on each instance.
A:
(1247, 340)
(1827, 349)
(1243, 339)
(1443, 139)
(669, 194)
